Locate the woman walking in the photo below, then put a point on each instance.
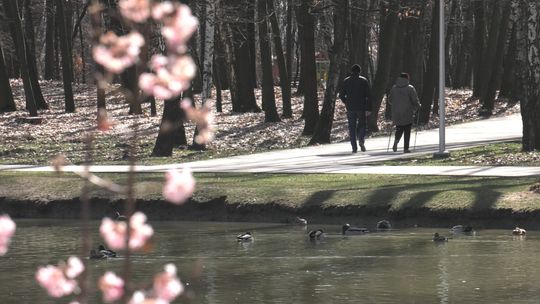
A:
(404, 101)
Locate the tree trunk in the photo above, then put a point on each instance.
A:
(11, 9)
(358, 35)
(489, 91)
(324, 125)
(31, 56)
(78, 28)
(289, 40)
(488, 58)
(450, 30)
(29, 30)
(251, 8)
(230, 63)
(208, 59)
(298, 76)
(463, 61)
(67, 71)
(508, 83)
(242, 62)
(217, 81)
(284, 80)
(169, 121)
(529, 72)
(221, 58)
(268, 98)
(7, 104)
(387, 38)
(478, 48)
(81, 46)
(56, 49)
(415, 42)
(96, 20)
(309, 67)
(430, 76)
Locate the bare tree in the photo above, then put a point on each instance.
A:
(7, 104)
(389, 21)
(324, 125)
(306, 21)
(67, 70)
(284, 79)
(268, 98)
(528, 27)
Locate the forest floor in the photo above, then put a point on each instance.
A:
(236, 133)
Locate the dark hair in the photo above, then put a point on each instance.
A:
(404, 75)
(356, 69)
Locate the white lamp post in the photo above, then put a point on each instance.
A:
(442, 149)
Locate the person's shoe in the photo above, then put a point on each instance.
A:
(362, 147)
(394, 148)
(354, 151)
(407, 151)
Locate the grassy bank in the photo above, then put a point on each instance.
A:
(270, 197)
(497, 154)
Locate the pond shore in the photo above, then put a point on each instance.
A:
(425, 201)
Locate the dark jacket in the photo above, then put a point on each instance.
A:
(404, 101)
(354, 93)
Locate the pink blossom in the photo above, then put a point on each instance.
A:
(117, 53)
(165, 8)
(135, 10)
(171, 76)
(179, 186)
(7, 229)
(167, 286)
(139, 297)
(111, 286)
(74, 267)
(140, 231)
(179, 24)
(204, 119)
(115, 232)
(55, 281)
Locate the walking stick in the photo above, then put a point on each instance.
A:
(389, 138)
(416, 131)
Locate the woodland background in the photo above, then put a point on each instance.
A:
(271, 69)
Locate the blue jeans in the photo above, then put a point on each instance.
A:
(357, 127)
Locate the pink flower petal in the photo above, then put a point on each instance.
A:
(179, 186)
(167, 286)
(111, 286)
(7, 229)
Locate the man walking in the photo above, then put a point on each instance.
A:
(404, 101)
(355, 94)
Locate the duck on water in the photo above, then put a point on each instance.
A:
(351, 230)
(245, 237)
(102, 253)
(460, 229)
(315, 235)
(439, 238)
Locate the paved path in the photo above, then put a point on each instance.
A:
(337, 158)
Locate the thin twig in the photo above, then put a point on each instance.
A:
(85, 215)
(102, 182)
(129, 210)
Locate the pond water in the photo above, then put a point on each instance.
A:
(283, 266)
